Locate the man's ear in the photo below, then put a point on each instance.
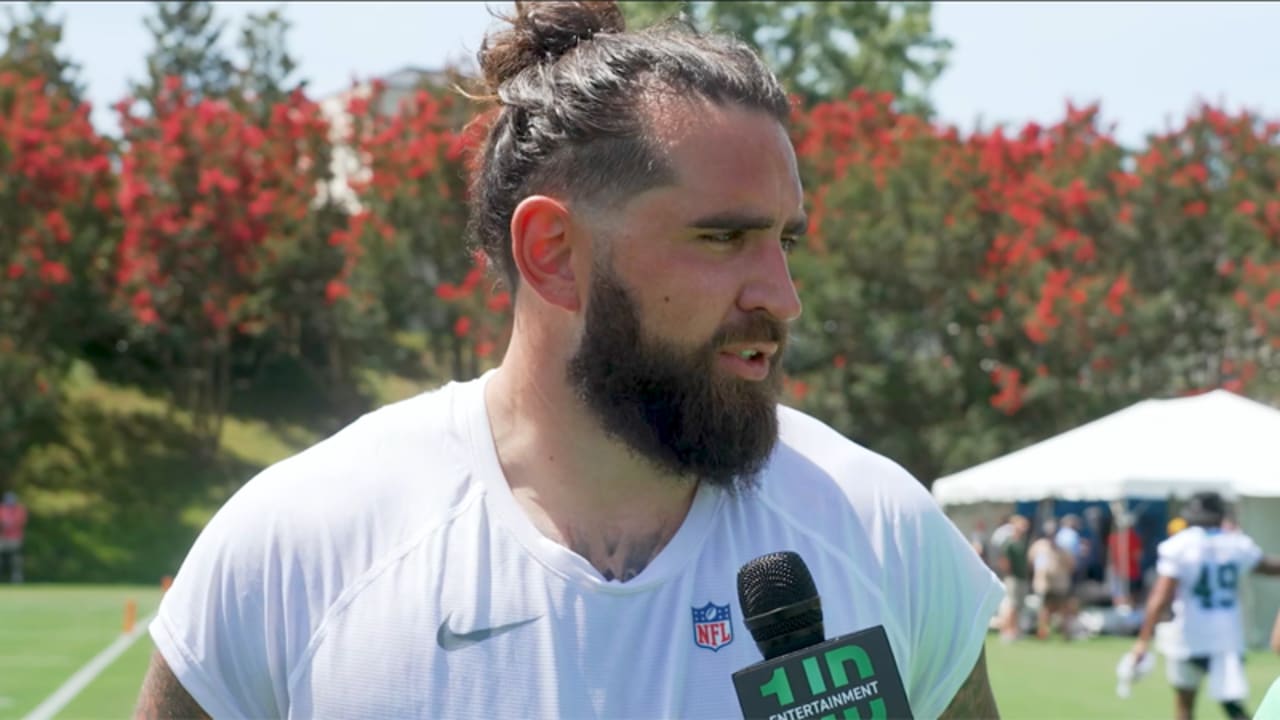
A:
(543, 252)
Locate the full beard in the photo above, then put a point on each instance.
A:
(673, 406)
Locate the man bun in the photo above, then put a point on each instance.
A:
(540, 33)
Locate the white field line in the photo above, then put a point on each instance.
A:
(53, 704)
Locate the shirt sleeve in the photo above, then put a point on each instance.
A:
(953, 599)
(1167, 564)
(1250, 554)
(217, 626)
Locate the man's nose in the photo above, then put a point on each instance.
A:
(770, 287)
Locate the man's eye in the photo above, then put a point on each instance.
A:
(789, 243)
(728, 237)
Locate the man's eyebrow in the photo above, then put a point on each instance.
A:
(742, 222)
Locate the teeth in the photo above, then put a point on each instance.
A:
(748, 354)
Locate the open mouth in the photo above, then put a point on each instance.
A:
(751, 363)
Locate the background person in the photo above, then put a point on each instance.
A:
(1199, 571)
(1068, 535)
(1052, 567)
(999, 536)
(13, 527)
(1015, 574)
(1124, 555)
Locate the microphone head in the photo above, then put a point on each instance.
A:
(780, 603)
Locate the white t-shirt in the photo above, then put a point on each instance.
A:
(388, 572)
(1209, 566)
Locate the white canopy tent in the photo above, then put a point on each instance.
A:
(1155, 449)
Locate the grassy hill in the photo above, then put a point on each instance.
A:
(122, 493)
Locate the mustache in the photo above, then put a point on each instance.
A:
(759, 326)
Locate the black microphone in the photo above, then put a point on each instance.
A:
(780, 603)
(804, 675)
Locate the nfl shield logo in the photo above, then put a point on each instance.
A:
(712, 626)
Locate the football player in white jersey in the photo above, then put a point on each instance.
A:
(561, 537)
(1200, 570)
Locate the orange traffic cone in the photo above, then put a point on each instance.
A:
(130, 615)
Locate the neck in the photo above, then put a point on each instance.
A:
(580, 488)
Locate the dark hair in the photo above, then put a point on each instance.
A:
(570, 81)
(1205, 509)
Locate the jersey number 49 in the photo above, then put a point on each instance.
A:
(1216, 587)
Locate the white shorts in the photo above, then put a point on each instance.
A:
(1227, 681)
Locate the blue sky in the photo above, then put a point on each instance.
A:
(1146, 62)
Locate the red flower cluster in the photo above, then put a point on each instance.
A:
(1040, 242)
(55, 186)
(212, 205)
(418, 154)
(1009, 398)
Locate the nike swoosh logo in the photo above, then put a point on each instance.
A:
(449, 640)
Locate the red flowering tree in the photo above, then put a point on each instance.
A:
(966, 296)
(411, 151)
(55, 191)
(1205, 253)
(223, 242)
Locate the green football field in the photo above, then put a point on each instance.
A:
(48, 632)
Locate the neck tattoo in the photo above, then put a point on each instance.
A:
(617, 556)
